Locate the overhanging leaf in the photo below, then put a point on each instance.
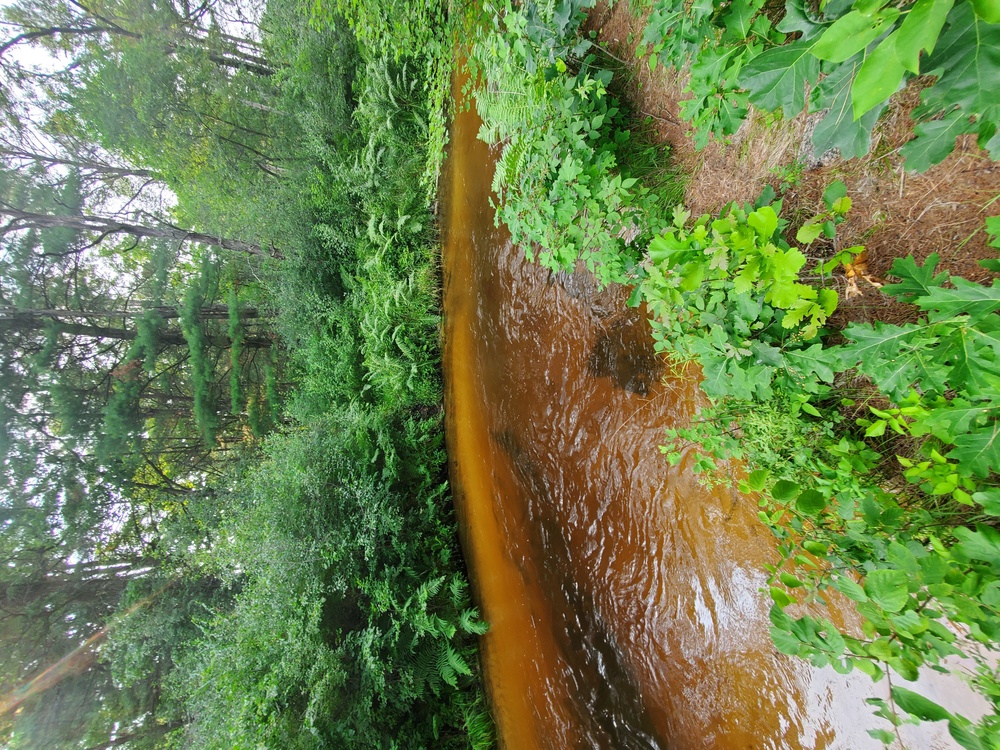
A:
(838, 129)
(978, 451)
(920, 31)
(967, 298)
(981, 544)
(851, 33)
(967, 62)
(815, 361)
(887, 588)
(810, 503)
(918, 705)
(776, 78)
(850, 589)
(915, 281)
(879, 78)
(934, 140)
(799, 18)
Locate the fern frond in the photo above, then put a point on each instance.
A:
(469, 622)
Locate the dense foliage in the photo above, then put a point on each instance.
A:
(226, 515)
(844, 59)
(567, 179)
(917, 558)
(912, 540)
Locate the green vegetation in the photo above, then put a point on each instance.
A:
(914, 547)
(222, 398)
(875, 459)
(225, 518)
(851, 56)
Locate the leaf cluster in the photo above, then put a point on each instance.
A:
(850, 57)
(561, 183)
(921, 561)
(726, 293)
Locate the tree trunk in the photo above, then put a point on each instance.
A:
(27, 322)
(29, 220)
(206, 312)
(83, 164)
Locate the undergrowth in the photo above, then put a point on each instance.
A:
(917, 548)
(842, 59)
(351, 623)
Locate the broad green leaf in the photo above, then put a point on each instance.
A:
(893, 356)
(975, 374)
(815, 361)
(879, 78)
(817, 548)
(882, 735)
(993, 230)
(810, 503)
(978, 452)
(967, 62)
(990, 264)
(827, 299)
(981, 544)
(798, 18)
(946, 422)
(903, 558)
(784, 490)
(776, 78)
(808, 233)
(876, 428)
(789, 580)
(834, 192)
(990, 500)
(907, 668)
(764, 221)
(779, 618)
(757, 479)
(838, 129)
(918, 705)
(881, 649)
(935, 140)
(910, 622)
(960, 731)
(850, 589)
(810, 409)
(888, 589)
(920, 31)
(738, 19)
(785, 642)
(990, 595)
(851, 33)
(780, 597)
(968, 297)
(988, 10)
(711, 64)
(915, 281)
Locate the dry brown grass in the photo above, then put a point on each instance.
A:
(895, 213)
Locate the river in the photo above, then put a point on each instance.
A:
(624, 599)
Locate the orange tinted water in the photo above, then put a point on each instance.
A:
(623, 598)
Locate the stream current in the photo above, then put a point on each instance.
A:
(623, 598)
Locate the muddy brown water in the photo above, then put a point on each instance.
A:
(624, 599)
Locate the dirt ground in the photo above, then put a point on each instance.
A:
(895, 213)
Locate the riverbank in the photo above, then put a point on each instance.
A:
(868, 447)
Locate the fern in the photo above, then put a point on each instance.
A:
(456, 662)
(469, 622)
(509, 167)
(445, 669)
